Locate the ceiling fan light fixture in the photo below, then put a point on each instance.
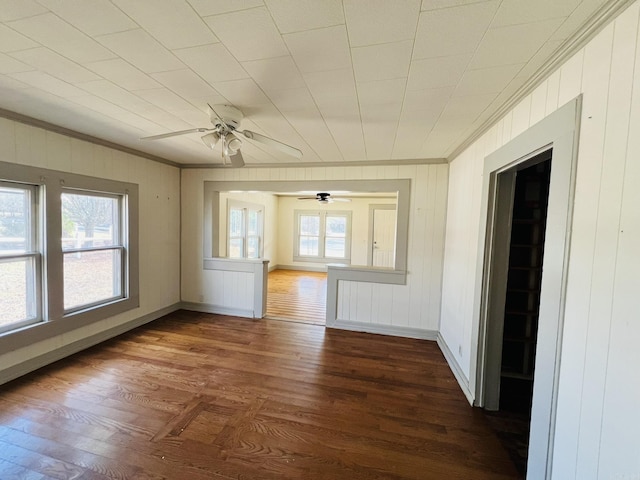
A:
(226, 125)
(234, 144)
(210, 139)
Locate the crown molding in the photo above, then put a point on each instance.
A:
(51, 127)
(34, 122)
(594, 25)
(362, 163)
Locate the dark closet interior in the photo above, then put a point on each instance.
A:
(528, 221)
(523, 286)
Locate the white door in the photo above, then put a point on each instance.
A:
(384, 237)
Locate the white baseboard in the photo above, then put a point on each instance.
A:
(455, 368)
(386, 329)
(309, 268)
(217, 309)
(40, 361)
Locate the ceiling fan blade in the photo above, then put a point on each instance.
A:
(338, 199)
(283, 147)
(174, 134)
(221, 122)
(236, 160)
(307, 198)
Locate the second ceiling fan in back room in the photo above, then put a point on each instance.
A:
(324, 197)
(226, 120)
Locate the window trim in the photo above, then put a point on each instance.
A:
(321, 257)
(120, 245)
(32, 254)
(50, 184)
(233, 204)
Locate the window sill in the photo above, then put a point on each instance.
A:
(37, 332)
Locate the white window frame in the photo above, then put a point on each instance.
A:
(321, 257)
(33, 254)
(119, 245)
(53, 319)
(246, 208)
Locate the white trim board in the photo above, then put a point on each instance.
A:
(40, 361)
(455, 369)
(558, 131)
(301, 268)
(392, 330)
(217, 309)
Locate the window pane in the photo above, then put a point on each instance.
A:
(18, 301)
(310, 225)
(309, 246)
(334, 247)
(90, 277)
(253, 222)
(253, 247)
(336, 226)
(15, 220)
(236, 247)
(235, 222)
(89, 221)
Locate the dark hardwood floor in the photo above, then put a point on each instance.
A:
(196, 396)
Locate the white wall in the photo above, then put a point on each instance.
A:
(359, 208)
(599, 394)
(159, 209)
(415, 305)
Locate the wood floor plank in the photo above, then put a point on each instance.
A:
(297, 296)
(197, 396)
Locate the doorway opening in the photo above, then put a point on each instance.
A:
(513, 326)
(297, 296)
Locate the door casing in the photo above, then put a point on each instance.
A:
(558, 131)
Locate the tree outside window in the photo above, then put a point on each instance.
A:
(93, 249)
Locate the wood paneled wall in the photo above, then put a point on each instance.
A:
(596, 428)
(159, 190)
(415, 305)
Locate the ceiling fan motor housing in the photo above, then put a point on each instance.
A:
(228, 114)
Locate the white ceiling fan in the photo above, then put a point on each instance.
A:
(324, 197)
(225, 127)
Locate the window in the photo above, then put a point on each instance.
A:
(94, 250)
(309, 235)
(322, 236)
(245, 230)
(20, 257)
(82, 265)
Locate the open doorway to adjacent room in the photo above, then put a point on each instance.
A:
(297, 295)
(519, 240)
(522, 269)
(300, 233)
(316, 229)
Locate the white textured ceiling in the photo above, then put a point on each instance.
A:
(343, 80)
